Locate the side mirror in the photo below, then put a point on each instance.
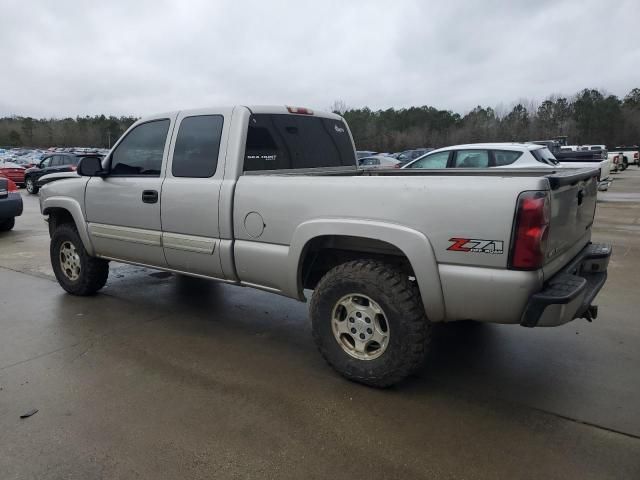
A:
(91, 167)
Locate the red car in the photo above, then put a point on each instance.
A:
(13, 172)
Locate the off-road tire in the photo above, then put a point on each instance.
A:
(410, 330)
(30, 185)
(93, 271)
(8, 224)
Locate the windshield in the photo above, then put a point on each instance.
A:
(543, 155)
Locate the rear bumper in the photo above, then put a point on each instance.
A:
(11, 206)
(569, 293)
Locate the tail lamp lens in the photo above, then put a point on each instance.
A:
(529, 243)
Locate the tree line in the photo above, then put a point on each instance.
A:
(589, 117)
(97, 131)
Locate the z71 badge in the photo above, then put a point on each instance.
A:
(476, 245)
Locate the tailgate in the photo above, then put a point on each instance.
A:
(573, 206)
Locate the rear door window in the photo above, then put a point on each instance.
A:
(504, 157)
(280, 141)
(197, 145)
(434, 160)
(471, 159)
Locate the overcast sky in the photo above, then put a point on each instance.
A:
(60, 58)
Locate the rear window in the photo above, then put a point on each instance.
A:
(543, 155)
(280, 141)
(505, 157)
(369, 161)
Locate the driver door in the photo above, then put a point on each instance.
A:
(123, 208)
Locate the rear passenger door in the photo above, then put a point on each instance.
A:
(123, 208)
(191, 192)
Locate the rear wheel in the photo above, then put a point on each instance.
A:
(76, 271)
(369, 322)
(31, 185)
(8, 224)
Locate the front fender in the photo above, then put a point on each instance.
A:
(414, 244)
(73, 207)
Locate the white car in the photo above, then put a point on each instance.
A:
(504, 155)
(378, 161)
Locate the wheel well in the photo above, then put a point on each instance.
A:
(58, 216)
(323, 253)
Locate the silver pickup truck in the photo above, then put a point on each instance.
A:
(270, 198)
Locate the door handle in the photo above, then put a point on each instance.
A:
(150, 196)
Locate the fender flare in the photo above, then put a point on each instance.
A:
(74, 208)
(414, 244)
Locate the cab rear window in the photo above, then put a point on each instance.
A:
(280, 141)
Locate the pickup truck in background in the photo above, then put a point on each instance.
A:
(624, 156)
(271, 198)
(586, 156)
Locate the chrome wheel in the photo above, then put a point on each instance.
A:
(29, 185)
(69, 261)
(360, 327)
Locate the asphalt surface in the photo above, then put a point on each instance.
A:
(169, 377)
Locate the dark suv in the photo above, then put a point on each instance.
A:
(53, 163)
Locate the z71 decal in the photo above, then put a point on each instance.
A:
(475, 245)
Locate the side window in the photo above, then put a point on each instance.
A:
(503, 157)
(140, 153)
(435, 160)
(471, 159)
(197, 146)
(46, 162)
(57, 161)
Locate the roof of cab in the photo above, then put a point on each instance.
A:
(273, 109)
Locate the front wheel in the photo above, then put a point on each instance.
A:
(76, 271)
(31, 185)
(369, 323)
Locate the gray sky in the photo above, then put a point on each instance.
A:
(60, 58)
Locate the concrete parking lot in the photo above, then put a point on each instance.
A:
(161, 376)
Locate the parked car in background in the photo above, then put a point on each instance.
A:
(10, 204)
(504, 155)
(378, 161)
(270, 198)
(365, 153)
(13, 172)
(53, 163)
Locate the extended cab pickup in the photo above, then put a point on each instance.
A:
(270, 197)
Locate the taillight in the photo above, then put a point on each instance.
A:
(74, 168)
(300, 110)
(12, 186)
(529, 242)
(615, 159)
(636, 156)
